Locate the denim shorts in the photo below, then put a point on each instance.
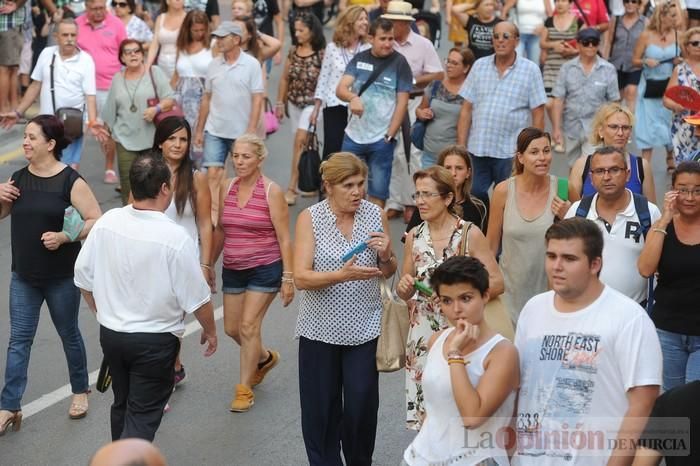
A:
(216, 150)
(71, 154)
(264, 278)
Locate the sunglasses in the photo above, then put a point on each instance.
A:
(503, 35)
(120, 4)
(589, 42)
(131, 51)
(630, 1)
(694, 43)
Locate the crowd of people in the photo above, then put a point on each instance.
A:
(539, 306)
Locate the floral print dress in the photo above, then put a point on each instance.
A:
(685, 144)
(425, 317)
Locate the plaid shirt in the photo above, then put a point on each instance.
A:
(501, 105)
(11, 20)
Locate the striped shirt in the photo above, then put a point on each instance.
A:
(11, 20)
(250, 237)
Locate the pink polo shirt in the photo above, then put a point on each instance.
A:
(102, 43)
(420, 54)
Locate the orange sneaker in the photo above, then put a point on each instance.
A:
(243, 400)
(272, 360)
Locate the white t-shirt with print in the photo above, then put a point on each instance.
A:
(576, 368)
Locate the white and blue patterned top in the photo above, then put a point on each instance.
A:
(347, 313)
(501, 105)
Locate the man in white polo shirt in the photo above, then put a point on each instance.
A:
(74, 85)
(233, 93)
(138, 270)
(614, 210)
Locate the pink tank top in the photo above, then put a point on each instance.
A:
(250, 238)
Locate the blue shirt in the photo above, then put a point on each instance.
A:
(501, 105)
(379, 99)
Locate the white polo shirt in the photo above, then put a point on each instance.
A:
(143, 272)
(623, 245)
(232, 87)
(74, 78)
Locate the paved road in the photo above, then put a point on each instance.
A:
(199, 429)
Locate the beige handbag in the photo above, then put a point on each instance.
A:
(391, 346)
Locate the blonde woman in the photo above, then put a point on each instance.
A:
(253, 233)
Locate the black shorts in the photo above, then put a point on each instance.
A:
(628, 78)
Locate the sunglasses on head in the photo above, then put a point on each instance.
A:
(589, 42)
(120, 4)
(503, 35)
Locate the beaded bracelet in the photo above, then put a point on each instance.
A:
(452, 361)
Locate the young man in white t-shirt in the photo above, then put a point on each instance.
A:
(590, 360)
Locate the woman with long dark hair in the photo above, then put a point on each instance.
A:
(191, 204)
(43, 257)
(295, 96)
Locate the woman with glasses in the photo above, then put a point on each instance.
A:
(128, 112)
(441, 105)
(167, 28)
(522, 208)
(657, 51)
(479, 25)
(686, 143)
(439, 237)
(672, 250)
(622, 36)
(612, 126)
(136, 28)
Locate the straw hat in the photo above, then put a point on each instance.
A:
(401, 11)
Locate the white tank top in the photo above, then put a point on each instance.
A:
(195, 65)
(442, 437)
(187, 220)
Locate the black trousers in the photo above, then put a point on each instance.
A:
(339, 390)
(335, 119)
(142, 366)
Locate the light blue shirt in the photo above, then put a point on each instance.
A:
(501, 105)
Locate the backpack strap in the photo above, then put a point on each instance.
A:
(586, 170)
(642, 207)
(640, 169)
(584, 206)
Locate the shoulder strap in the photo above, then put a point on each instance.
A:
(153, 82)
(53, 93)
(433, 91)
(464, 244)
(586, 169)
(618, 20)
(584, 206)
(377, 71)
(642, 207)
(640, 169)
(583, 13)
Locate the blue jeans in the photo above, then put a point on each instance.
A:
(529, 47)
(487, 171)
(71, 154)
(216, 150)
(63, 300)
(379, 157)
(681, 358)
(427, 160)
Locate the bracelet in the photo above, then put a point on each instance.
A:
(287, 280)
(287, 273)
(158, 109)
(659, 230)
(389, 260)
(206, 266)
(451, 361)
(454, 355)
(19, 115)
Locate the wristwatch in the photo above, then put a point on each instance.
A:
(388, 139)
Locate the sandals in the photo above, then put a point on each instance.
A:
(79, 406)
(13, 422)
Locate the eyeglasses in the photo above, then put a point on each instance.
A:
(614, 171)
(424, 194)
(623, 128)
(120, 4)
(132, 51)
(452, 62)
(630, 1)
(589, 42)
(694, 43)
(503, 35)
(685, 192)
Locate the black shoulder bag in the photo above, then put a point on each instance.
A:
(72, 118)
(655, 88)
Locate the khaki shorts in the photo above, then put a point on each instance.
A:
(11, 43)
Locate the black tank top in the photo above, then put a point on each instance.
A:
(40, 208)
(677, 294)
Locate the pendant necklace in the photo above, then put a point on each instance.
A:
(132, 97)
